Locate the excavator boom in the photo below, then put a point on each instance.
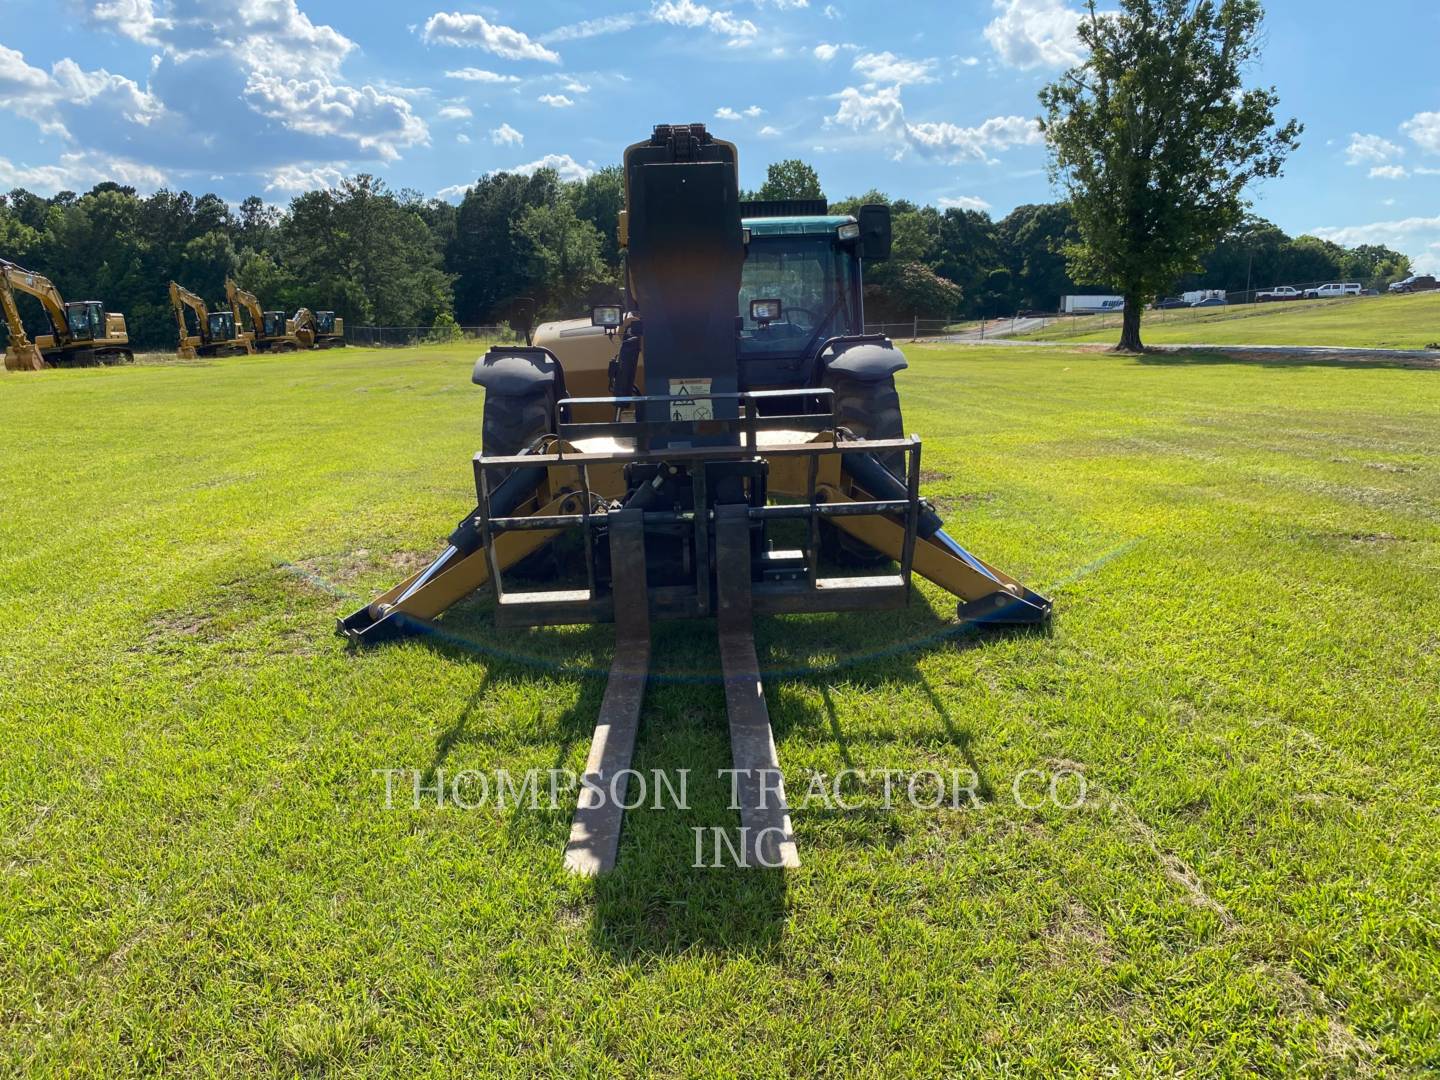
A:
(80, 333)
(269, 331)
(219, 333)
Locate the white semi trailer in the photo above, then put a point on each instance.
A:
(1090, 305)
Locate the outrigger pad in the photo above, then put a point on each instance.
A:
(1002, 608)
(364, 629)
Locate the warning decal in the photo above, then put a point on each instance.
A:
(688, 408)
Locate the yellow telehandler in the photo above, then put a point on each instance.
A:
(82, 332)
(270, 331)
(725, 442)
(217, 334)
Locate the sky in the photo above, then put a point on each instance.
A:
(931, 100)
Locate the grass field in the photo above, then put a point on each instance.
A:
(1378, 322)
(199, 875)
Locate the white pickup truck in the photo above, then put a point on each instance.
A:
(1279, 292)
(1334, 289)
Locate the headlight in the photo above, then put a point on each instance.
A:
(849, 231)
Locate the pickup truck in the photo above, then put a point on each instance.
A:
(1333, 290)
(1280, 292)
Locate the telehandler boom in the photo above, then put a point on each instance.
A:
(270, 331)
(725, 443)
(81, 332)
(219, 334)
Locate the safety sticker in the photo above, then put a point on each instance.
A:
(688, 408)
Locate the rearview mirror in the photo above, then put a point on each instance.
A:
(874, 219)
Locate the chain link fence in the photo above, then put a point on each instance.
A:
(408, 337)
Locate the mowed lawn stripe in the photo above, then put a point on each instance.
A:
(200, 874)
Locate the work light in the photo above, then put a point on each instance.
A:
(764, 312)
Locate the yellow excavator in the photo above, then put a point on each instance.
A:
(82, 332)
(218, 334)
(270, 331)
(329, 331)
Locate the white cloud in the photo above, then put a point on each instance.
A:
(588, 28)
(505, 135)
(768, 132)
(687, 13)
(832, 12)
(78, 172)
(293, 179)
(564, 164)
(1418, 237)
(258, 66)
(455, 112)
(953, 143)
(1424, 130)
(473, 74)
(727, 113)
(556, 101)
(1035, 33)
(968, 61)
(1388, 172)
(886, 67)
(1371, 148)
(453, 28)
(576, 87)
(462, 138)
(453, 193)
(964, 202)
(17, 78)
(880, 110)
(377, 122)
(825, 52)
(134, 19)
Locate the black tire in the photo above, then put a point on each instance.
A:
(870, 410)
(513, 423)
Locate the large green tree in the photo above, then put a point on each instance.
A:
(1155, 139)
(789, 179)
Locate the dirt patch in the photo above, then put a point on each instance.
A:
(175, 626)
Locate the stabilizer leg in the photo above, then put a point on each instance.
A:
(595, 831)
(768, 838)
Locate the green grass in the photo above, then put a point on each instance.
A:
(198, 875)
(1379, 322)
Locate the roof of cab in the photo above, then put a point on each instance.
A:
(794, 226)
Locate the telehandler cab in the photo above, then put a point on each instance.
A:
(219, 333)
(702, 440)
(82, 332)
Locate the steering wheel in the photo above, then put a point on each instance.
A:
(789, 313)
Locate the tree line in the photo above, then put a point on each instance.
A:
(387, 257)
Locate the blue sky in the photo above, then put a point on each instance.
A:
(933, 101)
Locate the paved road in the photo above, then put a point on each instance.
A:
(995, 330)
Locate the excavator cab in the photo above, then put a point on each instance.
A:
(85, 320)
(274, 323)
(221, 325)
(325, 322)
